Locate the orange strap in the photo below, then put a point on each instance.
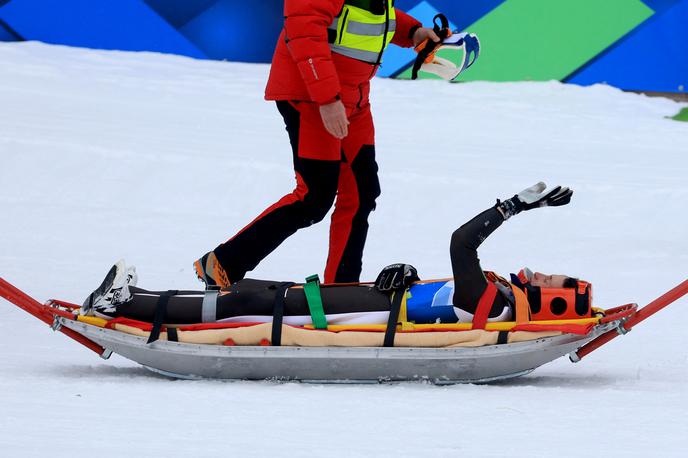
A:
(482, 311)
(522, 305)
(430, 57)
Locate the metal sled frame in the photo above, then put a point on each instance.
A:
(347, 364)
(338, 364)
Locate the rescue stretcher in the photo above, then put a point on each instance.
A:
(243, 350)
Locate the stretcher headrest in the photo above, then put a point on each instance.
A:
(569, 302)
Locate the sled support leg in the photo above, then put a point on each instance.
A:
(35, 308)
(641, 315)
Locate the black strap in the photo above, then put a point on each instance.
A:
(172, 335)
(160, 314)
(583, 303)
(502, 337)
(442, 31)
(393, 317)
(278, 313)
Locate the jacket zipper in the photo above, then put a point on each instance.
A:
(342, 30)
(384, 38)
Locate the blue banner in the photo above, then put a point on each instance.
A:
(651, 57)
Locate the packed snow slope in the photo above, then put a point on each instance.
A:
(158, 158)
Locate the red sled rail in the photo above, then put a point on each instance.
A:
(46, 314)
(631, 316)
(641, 315)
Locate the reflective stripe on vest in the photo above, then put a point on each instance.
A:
(359, 33)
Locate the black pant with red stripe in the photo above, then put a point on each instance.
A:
(468, 274)
(257, 297)
(326, 169)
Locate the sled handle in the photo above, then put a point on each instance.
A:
(641, 315)
(43, 313)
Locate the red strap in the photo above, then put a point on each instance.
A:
(482, 311)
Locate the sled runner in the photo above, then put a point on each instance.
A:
(441, 353)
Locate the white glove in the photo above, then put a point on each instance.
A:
(534, 197)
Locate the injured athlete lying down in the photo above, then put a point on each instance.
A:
(432, 301)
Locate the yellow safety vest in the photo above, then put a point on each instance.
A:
(363, 29)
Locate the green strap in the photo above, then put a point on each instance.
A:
(315, 305)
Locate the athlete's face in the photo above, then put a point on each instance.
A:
(548, 281)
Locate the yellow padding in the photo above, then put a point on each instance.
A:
(403, 316)
(407, 326)
(94, 320)
(496, 326)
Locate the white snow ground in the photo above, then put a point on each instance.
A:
(158, 158)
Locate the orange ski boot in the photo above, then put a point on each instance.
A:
(210, 272)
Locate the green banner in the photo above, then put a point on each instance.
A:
(682, 115)
(540, 40)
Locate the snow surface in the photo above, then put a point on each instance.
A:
(159, 158)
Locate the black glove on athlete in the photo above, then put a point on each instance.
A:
(396, 276)
(534, 197)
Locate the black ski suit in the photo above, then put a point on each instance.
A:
(250, 297)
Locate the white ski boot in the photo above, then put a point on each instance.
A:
(114, 290)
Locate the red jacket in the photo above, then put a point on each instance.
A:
(304, 68)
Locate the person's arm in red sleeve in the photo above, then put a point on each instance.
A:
(406, 26)
(410, 32)
(305, 27)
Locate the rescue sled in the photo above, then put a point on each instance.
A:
(501, 351)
